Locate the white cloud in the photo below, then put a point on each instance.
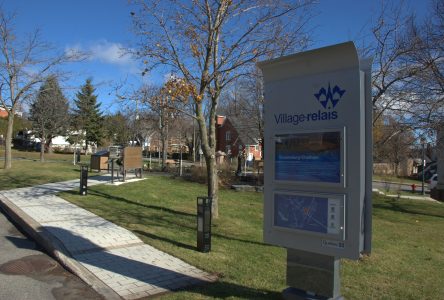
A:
(112, 53)
(105, 52)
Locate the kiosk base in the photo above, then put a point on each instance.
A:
(312, 276)
(296, 294)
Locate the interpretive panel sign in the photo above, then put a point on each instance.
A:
(309, 157)
(311, 213)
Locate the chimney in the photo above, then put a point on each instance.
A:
(220, 120)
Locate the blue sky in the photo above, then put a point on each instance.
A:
(102, 27)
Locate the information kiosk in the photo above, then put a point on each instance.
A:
(317, 163)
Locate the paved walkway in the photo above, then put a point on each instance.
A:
(117, 257)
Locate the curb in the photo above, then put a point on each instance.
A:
(55, 248)
(419, 198)
(394, 182)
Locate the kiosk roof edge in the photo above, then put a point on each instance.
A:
(342, 46)
(330, 58)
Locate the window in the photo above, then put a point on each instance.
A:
(228, 136)
(228, 149)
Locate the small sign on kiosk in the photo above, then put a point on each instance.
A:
(318, 158)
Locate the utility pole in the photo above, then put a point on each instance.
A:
(423, 165)
(180, 149)
(194, 141)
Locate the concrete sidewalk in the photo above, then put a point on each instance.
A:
(113, 260)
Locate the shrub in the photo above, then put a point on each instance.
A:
(225, 172)
(198, 174)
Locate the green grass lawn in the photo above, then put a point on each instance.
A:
(27, 170)
(407, 260)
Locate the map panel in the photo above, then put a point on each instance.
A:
(309, 213)
(301, 212)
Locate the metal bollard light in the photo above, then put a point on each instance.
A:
(84, 180)
(204, 224)
(78, 156)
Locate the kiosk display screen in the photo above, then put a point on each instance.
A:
(308, 157)
(313, 213)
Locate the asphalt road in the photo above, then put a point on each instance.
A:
(28, 273)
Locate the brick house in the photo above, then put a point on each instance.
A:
(3, 112)
(234, 134)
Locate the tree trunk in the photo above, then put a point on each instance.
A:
(42, 150)
(208, 146)
(163, 139)
(8, 142)
(194, 141)
(213, 185)
(49, 145)
(164, 146)
(396, 169)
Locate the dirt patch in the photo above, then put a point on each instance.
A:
(14, 231)
(42, 268)
(29, 265)
(74, 290)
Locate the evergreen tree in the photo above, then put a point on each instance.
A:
(48, 113)
(87, 115)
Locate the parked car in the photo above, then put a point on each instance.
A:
(433, 181)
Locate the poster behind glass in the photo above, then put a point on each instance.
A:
(308, 157)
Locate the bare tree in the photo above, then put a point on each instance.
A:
(414, 93)
(245, 101)
(210, 43)
(393, 142)
(24, 63)
(159, 102)
(429, 84)
(394, 69)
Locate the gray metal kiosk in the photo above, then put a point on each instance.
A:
(317, 164)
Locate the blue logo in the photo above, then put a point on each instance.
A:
(329, 98)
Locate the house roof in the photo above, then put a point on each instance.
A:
(247, 130)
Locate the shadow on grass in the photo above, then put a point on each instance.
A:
(225, 290)
(154, 275)
(398, 206)
(14, 182)
(153, 207)
(170, 222)
(164, 239)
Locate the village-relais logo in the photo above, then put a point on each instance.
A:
(328, 98)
